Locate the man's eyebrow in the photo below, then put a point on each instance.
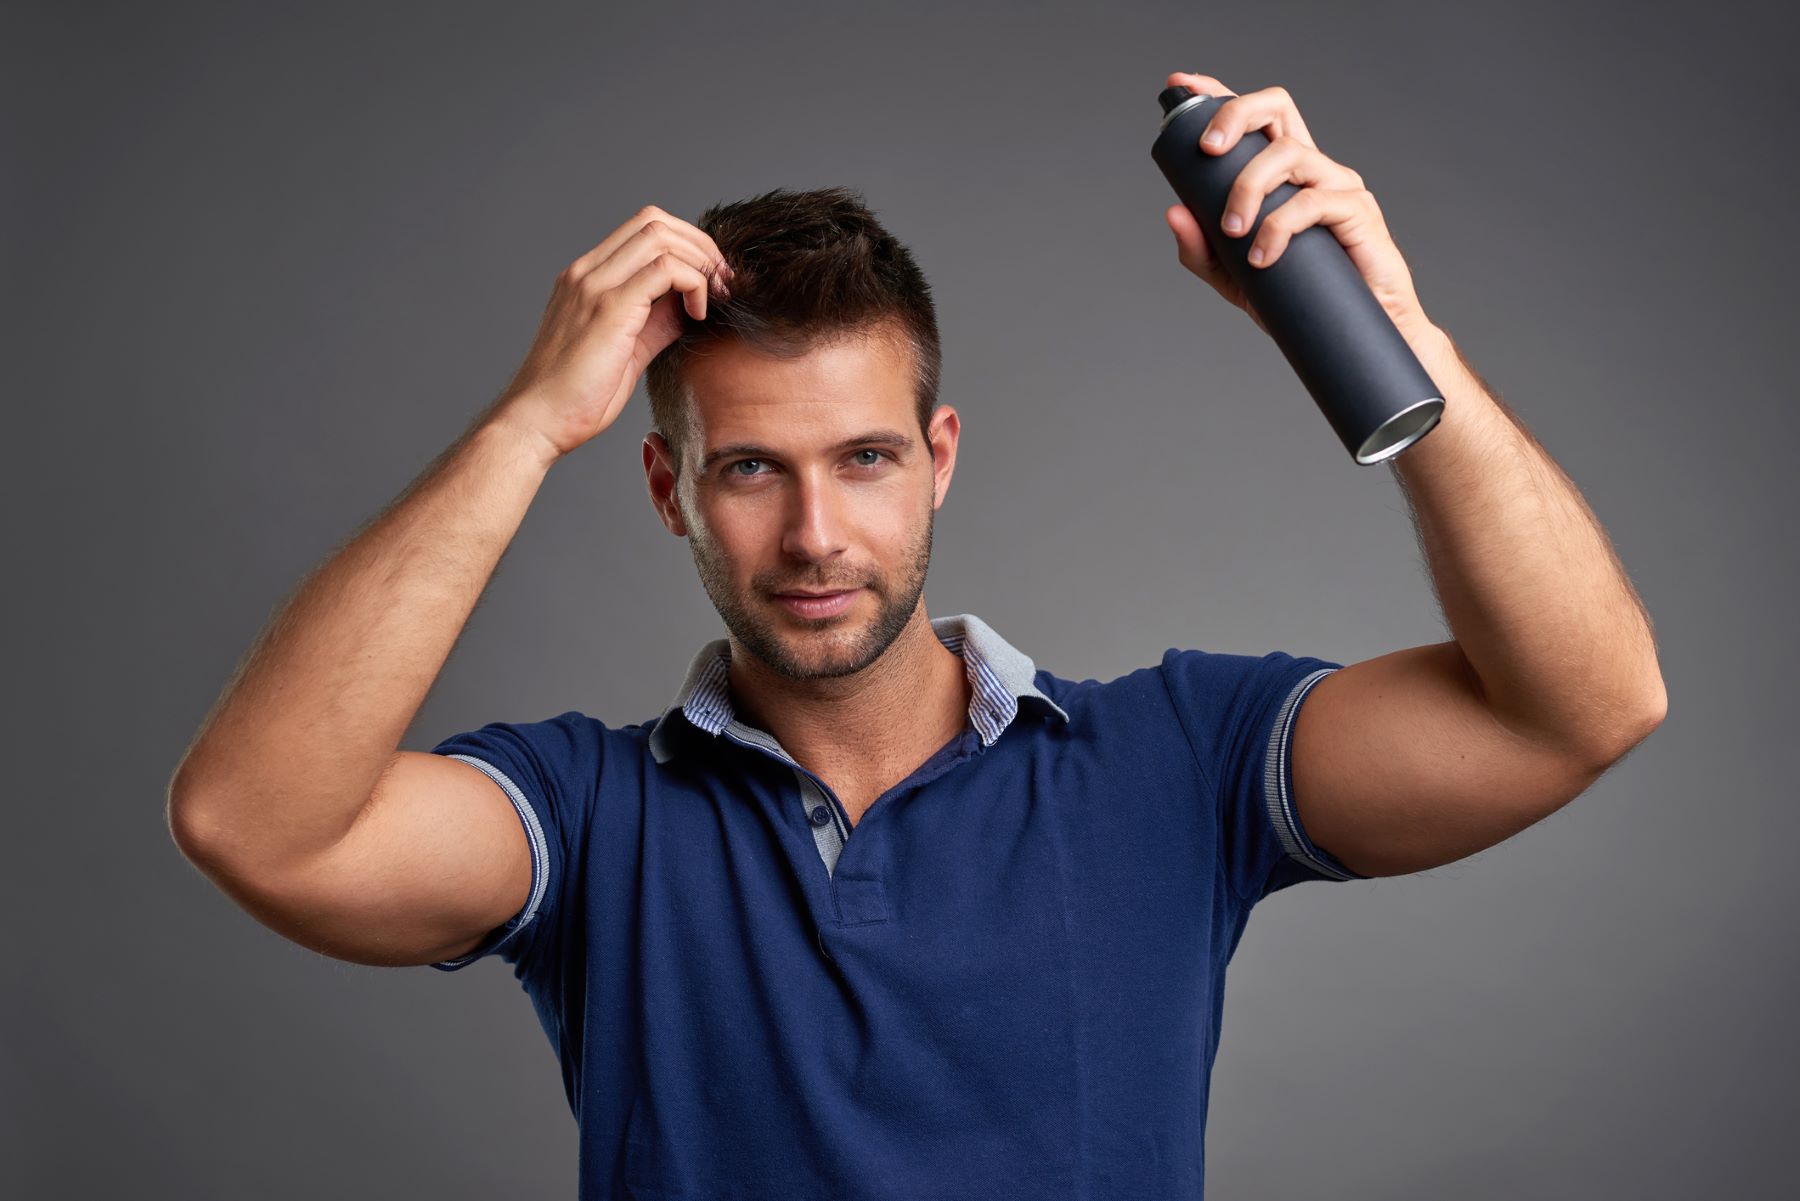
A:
(892, 439)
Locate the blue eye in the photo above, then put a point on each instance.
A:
(732, 467)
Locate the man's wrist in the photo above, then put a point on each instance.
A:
(509, 423)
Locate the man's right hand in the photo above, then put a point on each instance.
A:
(612, 311)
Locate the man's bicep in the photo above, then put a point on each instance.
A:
(437, 859)
(1399, 766)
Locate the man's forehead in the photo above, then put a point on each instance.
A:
(819, 398)
(736, 371)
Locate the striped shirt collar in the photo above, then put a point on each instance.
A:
(1000, 677)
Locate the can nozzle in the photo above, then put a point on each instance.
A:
(1174, 95)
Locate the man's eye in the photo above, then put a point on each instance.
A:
(875, 460)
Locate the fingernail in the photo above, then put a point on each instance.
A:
(1213, 138)
(1233, 223)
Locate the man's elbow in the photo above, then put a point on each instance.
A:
(1627, 732)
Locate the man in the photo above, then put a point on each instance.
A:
(877, 907)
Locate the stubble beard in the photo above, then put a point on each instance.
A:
(802, 649)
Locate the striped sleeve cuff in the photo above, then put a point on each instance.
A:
(1278, 790)
(540, 868)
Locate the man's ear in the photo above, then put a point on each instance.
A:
(660, 476)
(942, 433)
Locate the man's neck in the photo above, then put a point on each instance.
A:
(898, 710)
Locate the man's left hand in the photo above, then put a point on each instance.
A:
(1330, 194)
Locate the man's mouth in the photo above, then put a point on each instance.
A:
(818, 604)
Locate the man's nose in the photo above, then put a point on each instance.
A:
(816, 524)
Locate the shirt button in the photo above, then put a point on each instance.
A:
(819, 816)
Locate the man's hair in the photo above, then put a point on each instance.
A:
(810, 268)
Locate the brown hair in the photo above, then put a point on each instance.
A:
(810, 268)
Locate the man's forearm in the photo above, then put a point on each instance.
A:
(1529, 583)
(293, 748)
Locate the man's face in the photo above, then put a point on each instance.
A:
(808, 475)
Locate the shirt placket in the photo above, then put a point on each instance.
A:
(825, 815)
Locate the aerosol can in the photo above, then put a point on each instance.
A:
(1314, 302)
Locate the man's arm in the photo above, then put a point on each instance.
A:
(292, 797)
(1430, 754)
(1427, 755)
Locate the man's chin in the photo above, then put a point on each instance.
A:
(821, 647)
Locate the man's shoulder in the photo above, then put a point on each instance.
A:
(569, 736)
(1067, 690)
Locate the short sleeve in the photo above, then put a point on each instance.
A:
(548, 771)
(1238, 713)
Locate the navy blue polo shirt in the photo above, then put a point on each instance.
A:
(1005, 981)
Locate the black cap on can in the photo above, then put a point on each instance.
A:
(1173, 95)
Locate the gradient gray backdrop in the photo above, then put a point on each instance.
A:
(262, 266)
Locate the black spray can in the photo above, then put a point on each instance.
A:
(1313, 301)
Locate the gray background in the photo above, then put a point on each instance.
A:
(261, 267)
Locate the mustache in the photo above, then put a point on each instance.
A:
(816, 586)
